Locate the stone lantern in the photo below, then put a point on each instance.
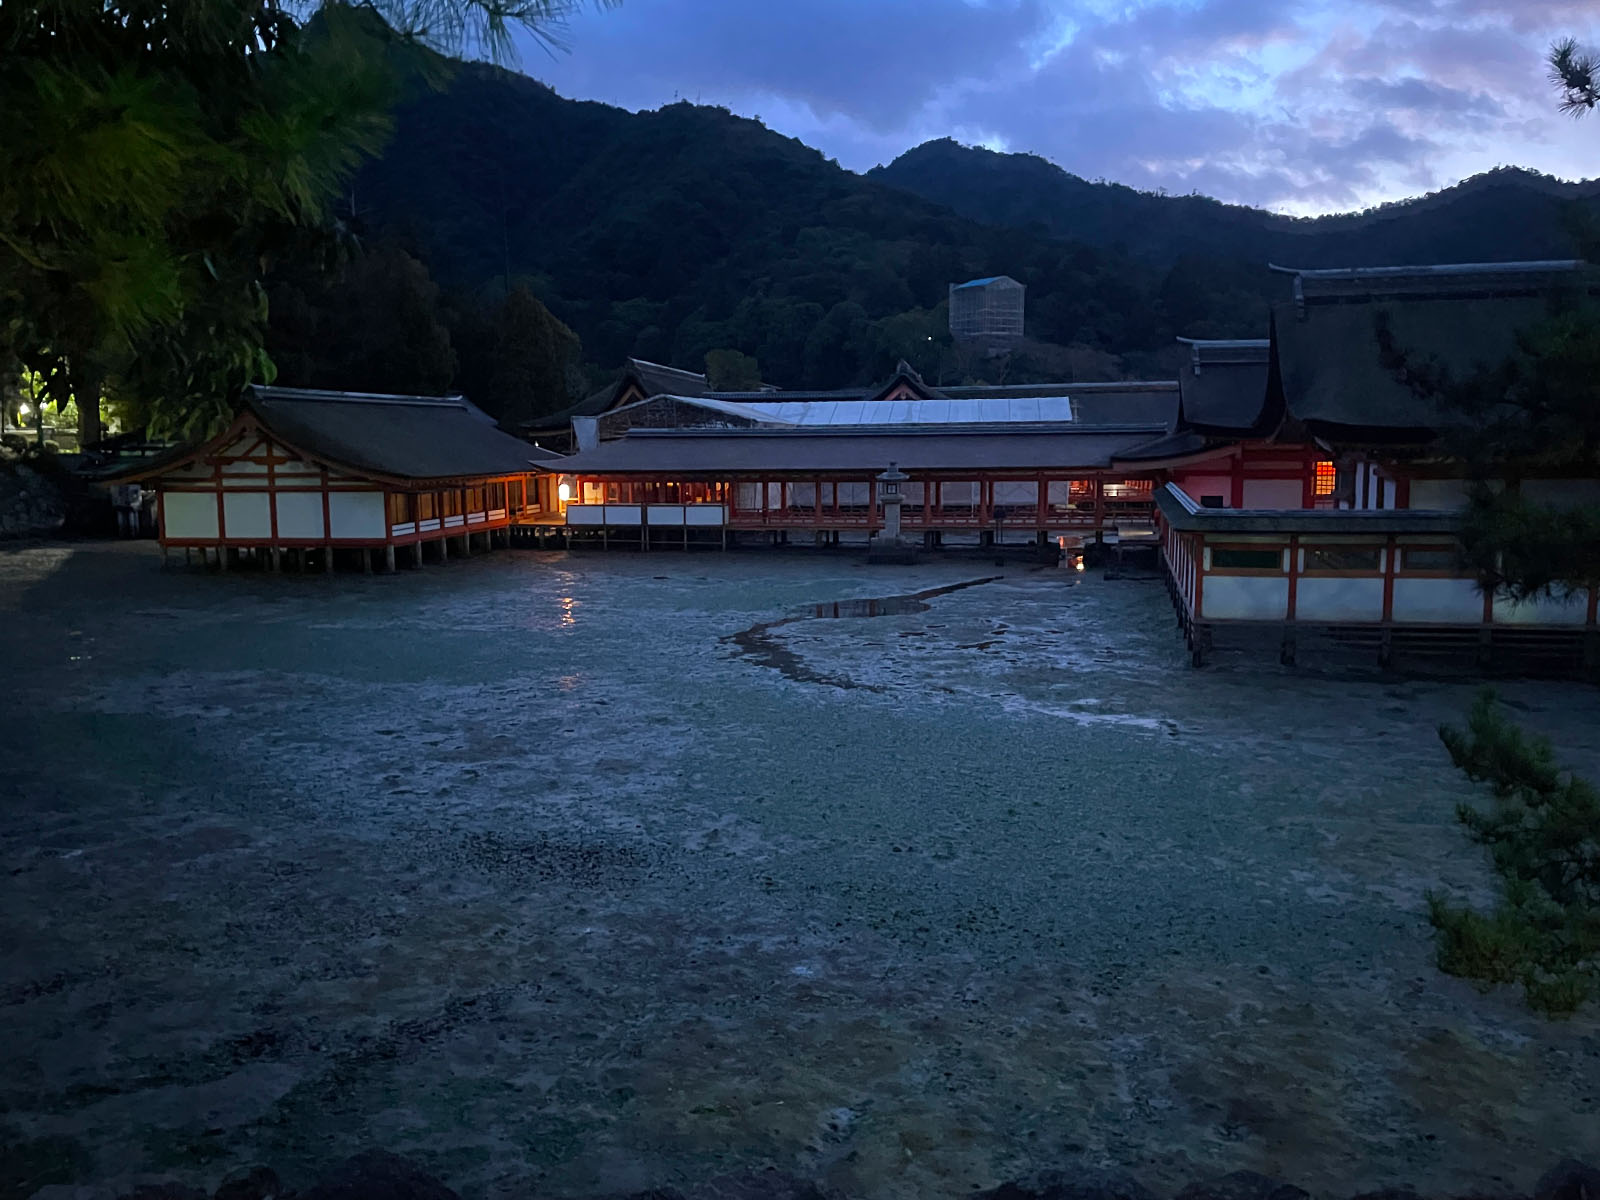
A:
(889, 492)
(886, 545)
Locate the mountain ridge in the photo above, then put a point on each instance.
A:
(666, 233)
(1026, 190)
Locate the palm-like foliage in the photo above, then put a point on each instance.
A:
(161, 153)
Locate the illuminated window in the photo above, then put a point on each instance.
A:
(1324, 480)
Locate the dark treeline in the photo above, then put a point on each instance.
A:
(378, 322)
(669, 234)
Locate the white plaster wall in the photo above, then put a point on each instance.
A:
(624, 514)
(1544, 612)
(1244, 598)
(665, 514)
(246, 515)
(1273, 493)
(300, 515)
(253, 472)
(1438, 601)
(1197, 486)
(190, 514)
(1011, 491)
(586, 514)
(1323, 598)
(706, 514)
(357, 515)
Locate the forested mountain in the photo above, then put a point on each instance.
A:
(671, 233)
(1500, 215)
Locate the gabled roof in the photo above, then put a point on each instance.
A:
(650, 378)
(906, 381)
(858, 413)
(403, 437)
(692, 452)
(1224, 386)
(657, 378)
(409, 438)
(1458, 318)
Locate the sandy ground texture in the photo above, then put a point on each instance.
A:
(566, 874)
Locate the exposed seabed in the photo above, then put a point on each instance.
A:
(575, 873)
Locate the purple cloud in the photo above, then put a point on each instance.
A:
(1312, 106)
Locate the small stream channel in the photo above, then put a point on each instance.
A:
(758, 644)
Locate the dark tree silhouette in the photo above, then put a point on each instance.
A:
(1576, 73)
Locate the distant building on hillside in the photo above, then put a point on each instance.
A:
(988, 309)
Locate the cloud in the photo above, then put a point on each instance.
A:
(1310, 106)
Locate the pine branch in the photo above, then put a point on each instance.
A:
(1543, 835)
(1576, 74)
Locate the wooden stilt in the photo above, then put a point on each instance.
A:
(327, 560)
(366, 561)
(388, 559)
(222, 558)
(444, 549)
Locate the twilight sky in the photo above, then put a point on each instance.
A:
(1299, 105)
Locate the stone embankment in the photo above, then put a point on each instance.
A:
(30, 504)
(376, 1175)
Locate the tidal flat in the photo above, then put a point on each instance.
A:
(575, 873)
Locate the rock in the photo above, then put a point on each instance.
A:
(1569, 1179)
(258, 1183)
(1243, 1185)
(1078, 1183)
(377, 1175)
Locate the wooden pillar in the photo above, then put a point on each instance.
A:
(388, 558)
(366, 561)
(444, 549)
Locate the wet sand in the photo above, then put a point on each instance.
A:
(529, 867)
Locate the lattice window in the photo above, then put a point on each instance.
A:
(1324, 480)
